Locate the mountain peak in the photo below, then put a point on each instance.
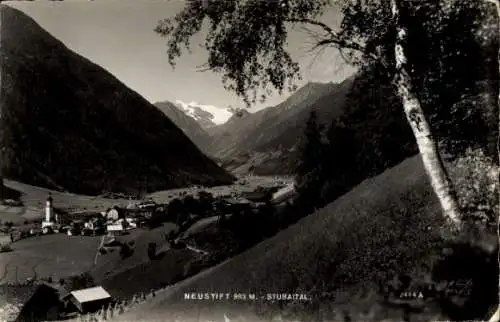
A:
(206, 115)
(68, 124)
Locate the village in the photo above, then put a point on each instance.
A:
(174, 226)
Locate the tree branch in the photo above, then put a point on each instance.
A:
(333, 38)
(312, 22)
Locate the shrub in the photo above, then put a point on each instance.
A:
(126, 251)
(475, 177)
(170, 236)
(5, 248)
(476, 276)
(152, 251)
(81, 281)
(205, 195)
(193, 267)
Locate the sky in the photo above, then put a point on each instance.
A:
(118, 35)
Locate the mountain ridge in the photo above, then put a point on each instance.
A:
(191, 127)
(207, 116)
(242, 136)
(264, 141)
(67, 123)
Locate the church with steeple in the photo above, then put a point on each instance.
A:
(50, 216)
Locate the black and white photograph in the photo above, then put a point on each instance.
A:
(249, 160)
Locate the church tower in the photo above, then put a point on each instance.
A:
(49, 210)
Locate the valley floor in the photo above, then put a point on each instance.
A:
(60, 256)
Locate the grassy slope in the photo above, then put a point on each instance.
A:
(386, 224)
(61, 256)
(33, 202)
(55, 255)
(112, 262)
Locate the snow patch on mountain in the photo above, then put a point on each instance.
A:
(207, 115)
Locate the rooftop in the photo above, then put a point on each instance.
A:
(90, 294)
(59, 288)
(284, 193)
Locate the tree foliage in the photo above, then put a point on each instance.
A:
(308, 170)
(246, 40)
(246, 44)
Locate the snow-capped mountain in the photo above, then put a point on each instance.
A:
(206, 115)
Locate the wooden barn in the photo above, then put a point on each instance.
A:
(88, 300)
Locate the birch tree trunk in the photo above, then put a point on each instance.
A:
(427, 145)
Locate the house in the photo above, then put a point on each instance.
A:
(115, 213)
(88, 300)
(74, 228)
(146, 204)
(94, 226)
(236, 204)
(256, 196)
(94, 223)
(115, 229)
(121, 225)
(140, 212)
(44, 304)
(284, 194)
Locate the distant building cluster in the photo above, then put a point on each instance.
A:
(113, 221)
(118, 220)
(52, 301)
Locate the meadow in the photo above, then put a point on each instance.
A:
(345, 255)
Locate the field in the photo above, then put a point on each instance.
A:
(148, 276)
(244, 184)
(59, 256)
(33, 198)
(111, 263)
(387, 226)
(55, 255)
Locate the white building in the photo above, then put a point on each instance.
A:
(113, 214)
(50, 216)
(89, 299)
(121, 225)
(286, 193)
